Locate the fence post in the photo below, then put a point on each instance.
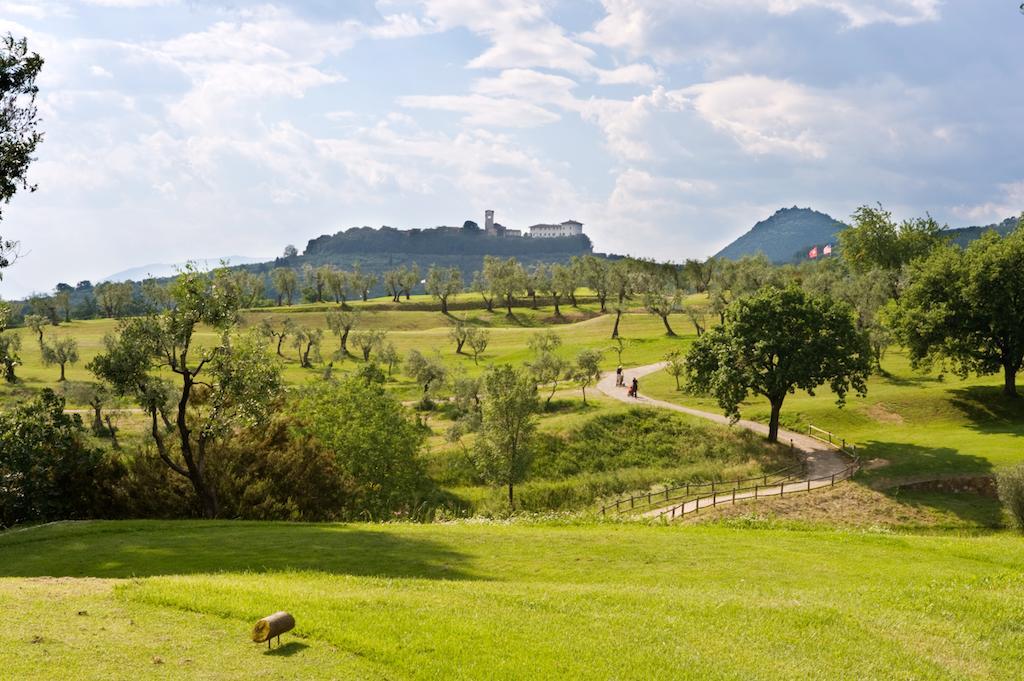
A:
(782, 487)
(755, 491)
(734, 496)
(808, 484)
(617, 501)
(833, 479)
(648, 498)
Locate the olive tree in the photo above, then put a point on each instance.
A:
(286, 282)
(62, 351)
(504, 448)
(369, 340)
(443, 283)
(776, 342)
(219, 388)
(341, 325)
(587, 369)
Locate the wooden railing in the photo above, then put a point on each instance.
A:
(774, 490)
(686, 490)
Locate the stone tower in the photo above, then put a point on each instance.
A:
(489, 221)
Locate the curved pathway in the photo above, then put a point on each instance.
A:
(820, 459)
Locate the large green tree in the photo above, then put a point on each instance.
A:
(776, 342)
(504, 447)
(967, 307)
(506, 279)
(219, 388)
(877, 242)
(19, 134)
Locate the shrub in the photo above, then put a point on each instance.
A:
(278, 472)
(373, 441)
(48, 471)
(1010, 483)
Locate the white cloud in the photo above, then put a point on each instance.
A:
(631, 24)
(765, 115)
(528, 84)
(641, 74)
(1011, 203)
(485, 111)
(100, 72)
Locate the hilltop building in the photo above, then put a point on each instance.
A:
(567, 228)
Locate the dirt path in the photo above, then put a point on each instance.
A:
(820, 460)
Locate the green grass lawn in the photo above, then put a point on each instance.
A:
(508, 601)
(917, 425)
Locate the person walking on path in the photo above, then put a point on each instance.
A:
(634, 388)
(620, 379)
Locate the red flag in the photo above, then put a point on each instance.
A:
(814, 253)
(827, 250)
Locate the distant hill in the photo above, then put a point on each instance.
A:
(790, 233)
(965, 235)
(787, 233)
(161, 270)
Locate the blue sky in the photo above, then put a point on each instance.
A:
(179, 130)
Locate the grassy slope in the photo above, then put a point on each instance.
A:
(407, 329)
(920, 424)
(510, 601)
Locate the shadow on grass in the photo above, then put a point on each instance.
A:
(913, 463)
(989, 410)
(286, 649)
(119, 549)
(973, 509)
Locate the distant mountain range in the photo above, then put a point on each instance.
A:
(790, 233)
(160, 270)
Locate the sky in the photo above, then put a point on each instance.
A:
(183, 129)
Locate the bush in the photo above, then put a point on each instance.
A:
(1011, 492)
(374, 443)
(48, 471)
(277, 472)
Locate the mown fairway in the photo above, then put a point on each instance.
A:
(508, 601)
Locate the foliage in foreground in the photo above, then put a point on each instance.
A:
(1010, 482)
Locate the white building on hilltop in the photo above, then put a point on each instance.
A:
(567, 228)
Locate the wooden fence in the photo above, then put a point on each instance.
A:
(776, 489)
(686, 490)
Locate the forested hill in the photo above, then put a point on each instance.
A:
(785, 235)
(966, 235)
(442, 241)
(790, 233)
(377, 250)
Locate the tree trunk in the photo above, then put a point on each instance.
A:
(344, 342)
(444, 305)
(615, 329)
(508, 305)
(584, 389)
(511, 500)
(533, 295)
(603, 300)
(97, 418)
(773, 423)
(1009, 380)
(206, 494)
(668, 329)
(459, 344)
(113, 434)
(558, 312)
(554, 387)
(572, 299)
(61, 379)
(280, 339)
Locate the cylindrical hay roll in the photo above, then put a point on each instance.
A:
(271, 626)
